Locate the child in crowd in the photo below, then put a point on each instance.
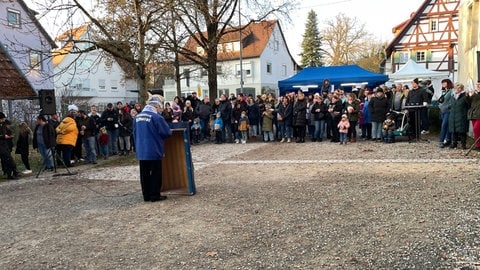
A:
(343, 127)
(388, 129)
(196, 130)
(103, 142)
(218, 126)
(267, 123)
(243, 126)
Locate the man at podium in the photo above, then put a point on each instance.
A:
(150, 131)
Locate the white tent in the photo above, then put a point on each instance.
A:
(412, 70)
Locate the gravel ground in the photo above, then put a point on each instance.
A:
(260, 205)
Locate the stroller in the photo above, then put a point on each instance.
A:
(401, 119)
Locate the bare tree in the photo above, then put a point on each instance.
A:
(144, 31)
(219, 18)
(123, 29)
(372, 58)
(345, 40)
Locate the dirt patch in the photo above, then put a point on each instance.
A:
(258, 206)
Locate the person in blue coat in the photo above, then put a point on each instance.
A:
(150, 131)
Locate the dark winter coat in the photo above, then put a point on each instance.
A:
(286, 112)
(204, 110)
(23, 143)
(300, 113)
(126, 126)
(378, 107)
(225, 109)
(320, 115)
(109, 119)
(48, 134)
(253, 114)
(474, 111)
(458, 121)
(352, 116)
(417, 97)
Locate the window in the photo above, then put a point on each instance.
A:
(246, 68)
(420, 57)
(269, 68)
(223, 91)
(219, 70)
(85, 85)
(276, 45)
(284, 70)
(433, 25)
(114, 85)
(203, 73)
(101, 84)
(403, 57)
(35, 60)
(229, 47)
(13, 17)
(236, 46)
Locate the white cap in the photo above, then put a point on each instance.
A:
(72, 107)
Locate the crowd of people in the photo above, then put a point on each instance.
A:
(79, 137)
(331, 114)
(292, 117)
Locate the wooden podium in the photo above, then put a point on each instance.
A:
(177, 165)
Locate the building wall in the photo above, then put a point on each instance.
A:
(95, 77)
(468, 42)
(21, 40)
(434, 45)
(258, 80)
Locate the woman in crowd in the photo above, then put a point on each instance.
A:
(352, 107)
(23, 145)
(125, 132)
(378, 106)
(319, 111)
(444, 106)
(67, 133)
(300, 116)
(458, 121)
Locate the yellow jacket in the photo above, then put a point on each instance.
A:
(67, 132)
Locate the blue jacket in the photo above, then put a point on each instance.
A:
(150, 130)
(366, 113)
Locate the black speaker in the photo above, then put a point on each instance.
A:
(47, 101)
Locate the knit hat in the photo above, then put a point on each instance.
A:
(154, 101)
(72, 107)
(2, 115)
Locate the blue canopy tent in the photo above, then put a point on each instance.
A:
(348, 76)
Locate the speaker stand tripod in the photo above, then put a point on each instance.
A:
(54, 155)
(472, 146)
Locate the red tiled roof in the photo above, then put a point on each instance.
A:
(13, 84)
(68, 36)
(254, 39)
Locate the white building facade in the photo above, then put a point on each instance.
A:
(92, 78)
(265, 61)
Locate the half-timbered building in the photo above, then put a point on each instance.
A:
(429, 37)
